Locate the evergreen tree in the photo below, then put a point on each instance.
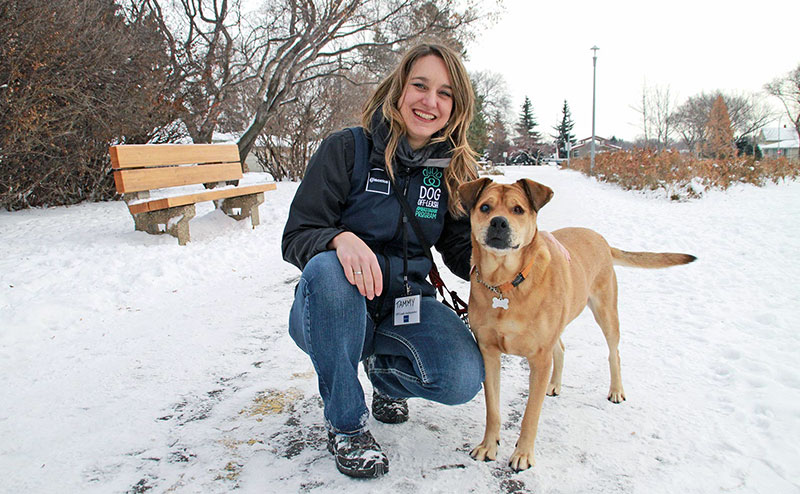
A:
(744, 147)
(478, 133)
(719, 132)
(564, 131)
(498, 139)
(527, 137)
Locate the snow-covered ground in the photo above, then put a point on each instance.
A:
(130, 364)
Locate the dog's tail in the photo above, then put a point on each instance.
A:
(652, 260)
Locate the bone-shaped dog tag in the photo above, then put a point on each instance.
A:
(499, 302)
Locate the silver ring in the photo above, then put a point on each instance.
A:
(357, 273)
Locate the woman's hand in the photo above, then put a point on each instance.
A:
(359, 263)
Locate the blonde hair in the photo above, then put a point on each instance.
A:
(463, 166)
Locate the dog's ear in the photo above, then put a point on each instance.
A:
(469, 192)
(538, 194)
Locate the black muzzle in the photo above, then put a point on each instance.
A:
(498, 235)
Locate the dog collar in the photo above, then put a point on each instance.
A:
(505, 287)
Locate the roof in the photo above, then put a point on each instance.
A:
(774, 134)
(599, 141)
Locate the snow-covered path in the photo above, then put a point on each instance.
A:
(131, 364)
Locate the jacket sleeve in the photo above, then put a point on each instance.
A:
(316, 210)
(455, 245)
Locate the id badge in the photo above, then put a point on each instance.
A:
(406, 310)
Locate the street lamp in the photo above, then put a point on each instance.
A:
(594, 85)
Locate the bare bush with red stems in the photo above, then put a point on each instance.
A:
(682, 175)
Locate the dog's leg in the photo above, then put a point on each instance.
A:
(540, 364)
(603, 304)
(487, 449)
(554, 388)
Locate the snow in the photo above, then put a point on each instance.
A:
(131, 364)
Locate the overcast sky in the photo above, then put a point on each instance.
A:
(543, 50)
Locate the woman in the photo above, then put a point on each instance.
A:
(363, 285)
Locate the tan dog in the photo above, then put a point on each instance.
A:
(525, 290)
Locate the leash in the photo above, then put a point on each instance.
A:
(459, 306)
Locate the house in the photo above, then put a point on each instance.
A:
(776, 142)
(601, 145)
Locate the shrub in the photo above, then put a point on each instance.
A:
(683, 175)
(75, 77)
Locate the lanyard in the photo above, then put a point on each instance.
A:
(402, 200)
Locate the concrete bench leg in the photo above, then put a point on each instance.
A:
(173, 221)
(247, 206)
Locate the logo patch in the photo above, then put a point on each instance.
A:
(432, 177)
(430, 193)
(378, 182)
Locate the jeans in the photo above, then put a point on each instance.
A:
(436, 359)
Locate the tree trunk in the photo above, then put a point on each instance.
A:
(248, 139)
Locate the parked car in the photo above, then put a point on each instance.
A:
(523, 158)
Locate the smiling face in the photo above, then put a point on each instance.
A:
(427, 100)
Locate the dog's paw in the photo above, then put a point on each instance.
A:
(521, 460)
(553, 389)
(616, 396)
(484, 451)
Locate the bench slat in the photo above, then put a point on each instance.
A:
(153, 155)
(209, 195)
(128, 181)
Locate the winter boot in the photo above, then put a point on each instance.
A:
(389, 410)
(358, 456)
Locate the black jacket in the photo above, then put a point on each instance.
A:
(337, 194)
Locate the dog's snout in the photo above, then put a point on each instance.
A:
(499, 222)
(498, 233)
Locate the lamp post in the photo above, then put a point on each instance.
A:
(568, 146)
(594, 85)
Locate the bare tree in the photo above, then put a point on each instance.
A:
(690, 121)
(662, 106)
(657, 117)
(644, 111)
(787, 90)
(312, 39)
(493, 89)
(747, 113)
(216, 49)
(292, 135)
(493, 108)
(211, 49)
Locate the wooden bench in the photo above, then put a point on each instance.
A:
(142, 168)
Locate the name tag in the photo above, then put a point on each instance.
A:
(406, 310)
